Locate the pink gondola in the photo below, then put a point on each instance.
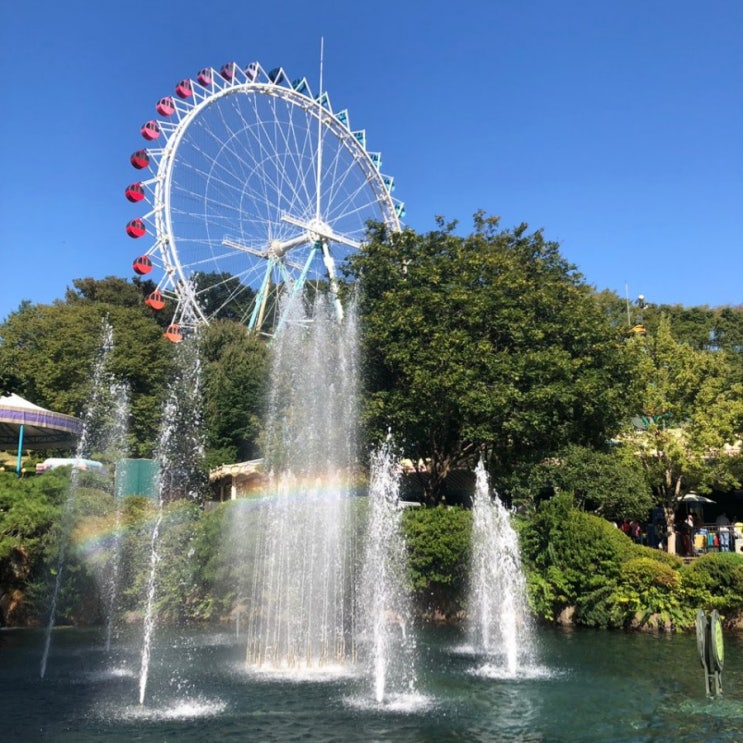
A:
(150, 130)
(165, 106)
(228, 71)
(184, 89)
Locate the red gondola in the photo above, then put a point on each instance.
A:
(140, 159)
(142, 265)
(228, 71)
(184, 89)
(134, 192)
(165, 106)
(205, 76)
(150, 130)
(136, 228)
(155, 300)
(173, 333)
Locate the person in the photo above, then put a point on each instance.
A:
(723, 530)
(690, 531)
(737, 535)
(635, 530)
(687, 536)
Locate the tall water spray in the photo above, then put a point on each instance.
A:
(104, 432)
(180, 455)
(300, 598)
(384, 606)
(499, 621)
(116, 449)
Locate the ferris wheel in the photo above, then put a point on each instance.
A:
(256, 188)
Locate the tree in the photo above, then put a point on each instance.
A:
(611, 483)
(487, 345)
(111, 290)
(235, 365)
(51, 350)
(690, 408)
(223, 296)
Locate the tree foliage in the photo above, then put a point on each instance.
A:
(438, 543)
(235, 378)
(485, 345)
(47, 352)
(690, 409)
(611, 482)
(51, 350)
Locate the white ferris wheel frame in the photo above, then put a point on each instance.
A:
(176, 280)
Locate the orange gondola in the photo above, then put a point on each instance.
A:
(142, 265)
(173, 333)
(136, 228)
(134, 192)
(155, 300)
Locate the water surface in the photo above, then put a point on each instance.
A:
(586, 686)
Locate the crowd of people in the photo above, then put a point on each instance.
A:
(693, 536)
(696, 537)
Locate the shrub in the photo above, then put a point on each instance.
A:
(648, 589)
(715, 581)
(580, 560)
(438, 542)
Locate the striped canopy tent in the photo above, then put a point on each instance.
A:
(29, 426)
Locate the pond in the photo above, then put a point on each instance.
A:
(587, 686)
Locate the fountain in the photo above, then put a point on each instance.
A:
(104, 432)
(301, 614)
(116, 449)
(385, 612)
(499, 622)
(180, 453)
(355, 615)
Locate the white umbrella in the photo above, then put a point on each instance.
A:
(693, 497)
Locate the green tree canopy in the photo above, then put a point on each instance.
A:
(50, 349)
(611, 482)
(235, 368)
(691, 407)
(485, 345)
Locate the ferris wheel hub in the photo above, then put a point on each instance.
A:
(318, 231)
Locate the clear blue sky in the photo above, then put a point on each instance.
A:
(616, 126)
